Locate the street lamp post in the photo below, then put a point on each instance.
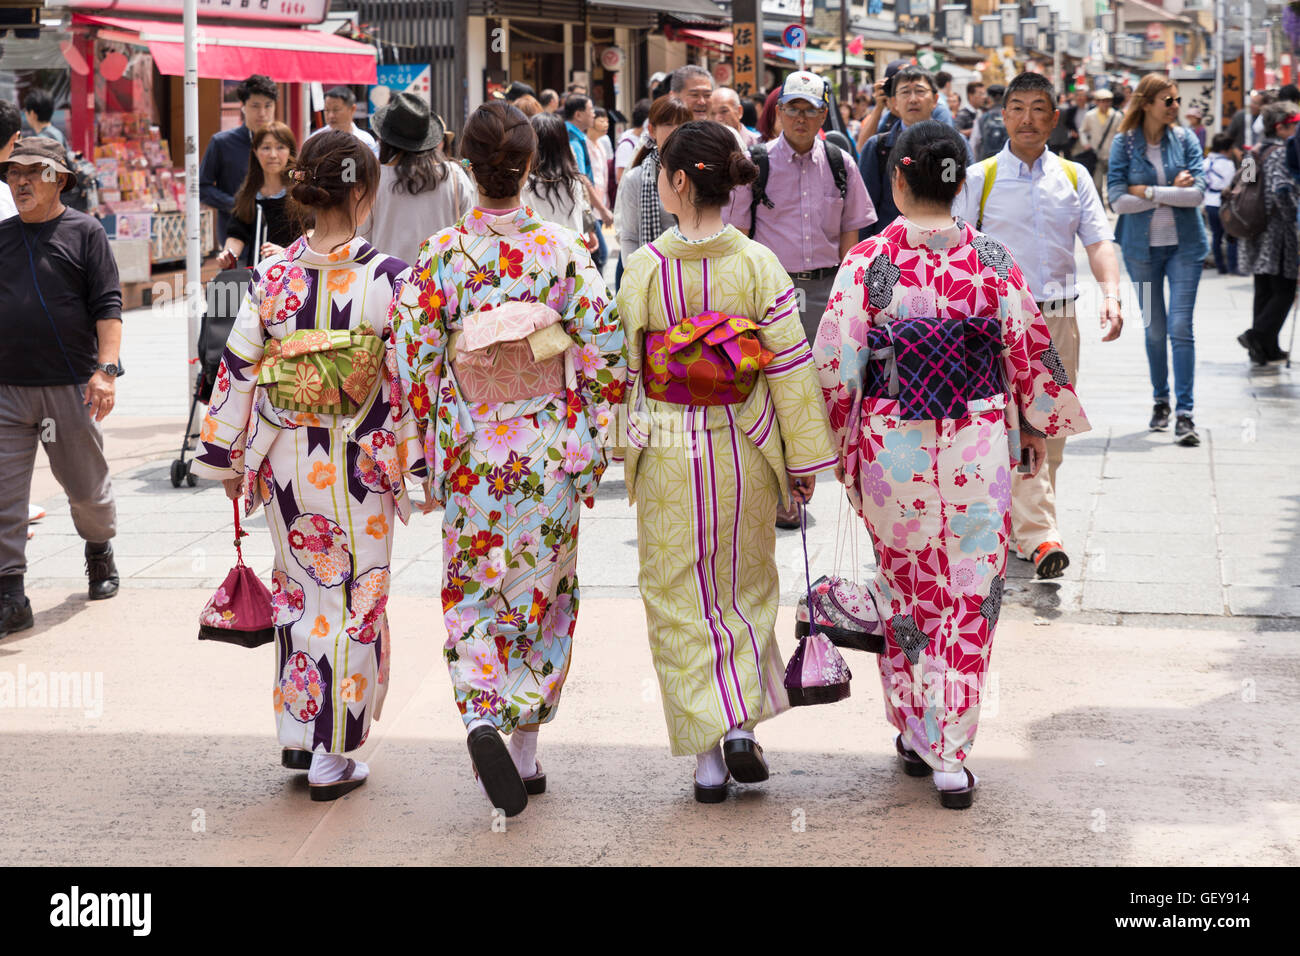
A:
(193, 261)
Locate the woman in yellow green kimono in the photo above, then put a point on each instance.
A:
(706, 474)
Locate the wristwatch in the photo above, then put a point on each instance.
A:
(113, 369)
(1150, 193)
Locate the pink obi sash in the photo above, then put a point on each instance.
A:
(510, 353)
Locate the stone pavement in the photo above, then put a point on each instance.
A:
(1146, 698)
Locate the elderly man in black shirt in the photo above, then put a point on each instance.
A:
(60, 335)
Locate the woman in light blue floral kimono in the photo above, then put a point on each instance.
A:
(513, 359)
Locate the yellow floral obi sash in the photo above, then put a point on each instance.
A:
(325, 371)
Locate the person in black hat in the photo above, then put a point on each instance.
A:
(517, 89)
(420, 190)
(60, 340)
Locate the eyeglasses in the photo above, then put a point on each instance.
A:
(800, 112)
(911, 92)
(1171, 100)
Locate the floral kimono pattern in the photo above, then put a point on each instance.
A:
(706, 481)
(936, 494)
(510, 473)
(313, 335)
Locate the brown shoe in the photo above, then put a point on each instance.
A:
(787, 519)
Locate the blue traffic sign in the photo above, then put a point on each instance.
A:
(795, 36)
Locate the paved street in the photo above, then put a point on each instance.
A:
(1144, 711)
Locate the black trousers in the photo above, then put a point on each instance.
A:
(1273, 297)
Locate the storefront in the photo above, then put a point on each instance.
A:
(120, 81)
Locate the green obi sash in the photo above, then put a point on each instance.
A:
(325, 371)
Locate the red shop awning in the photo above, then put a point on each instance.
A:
(233, 53)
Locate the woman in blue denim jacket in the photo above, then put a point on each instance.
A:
(1156, 182)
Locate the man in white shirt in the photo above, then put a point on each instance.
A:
(340, 108)
(1031, 201)
(11, 124)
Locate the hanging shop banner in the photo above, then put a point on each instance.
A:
(265, 11)
(400, 78)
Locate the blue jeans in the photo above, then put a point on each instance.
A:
(1172, 328)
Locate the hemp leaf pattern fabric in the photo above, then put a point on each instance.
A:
(706, 481)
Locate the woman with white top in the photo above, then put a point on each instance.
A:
(420, 190)
(1220, 167)
(555, 191)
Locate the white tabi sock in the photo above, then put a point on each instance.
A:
(952, 781)
(523, 751)
(328, 768)
(736, 733)
(710, 768)
(479, 722)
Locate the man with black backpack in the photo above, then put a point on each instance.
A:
(807, 204)
(912, 95)
(990, 133)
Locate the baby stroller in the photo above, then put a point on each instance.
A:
(223, 296)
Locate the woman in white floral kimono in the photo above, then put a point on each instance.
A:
(513, 358)
(308, 418)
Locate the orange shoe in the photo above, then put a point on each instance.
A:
(1050, 560)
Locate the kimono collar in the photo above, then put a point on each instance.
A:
(300, 251)
(502, 222)
(727, 242)
(909, 235)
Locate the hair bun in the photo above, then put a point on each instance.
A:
(741, 170)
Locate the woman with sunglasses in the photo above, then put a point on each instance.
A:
(1156, 183)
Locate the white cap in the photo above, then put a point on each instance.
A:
(802, 85)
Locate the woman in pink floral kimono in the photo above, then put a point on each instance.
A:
(938, 372)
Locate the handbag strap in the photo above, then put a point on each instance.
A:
(807, 575)
(239, 533)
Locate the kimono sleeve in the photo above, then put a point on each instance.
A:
(1040, 389)
(634, 316)
(791, 376)
(419, 334)
(599, 353)
(224, 431)
(836, 348)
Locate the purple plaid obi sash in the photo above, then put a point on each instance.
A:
(935, 367)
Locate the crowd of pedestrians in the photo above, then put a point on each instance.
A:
(893, 279)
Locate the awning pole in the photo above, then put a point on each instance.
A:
(193, 260)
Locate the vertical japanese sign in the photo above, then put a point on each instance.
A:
(1232, 94)
(747, 46)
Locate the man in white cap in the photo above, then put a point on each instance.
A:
(1100, 126)
(807, 204)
